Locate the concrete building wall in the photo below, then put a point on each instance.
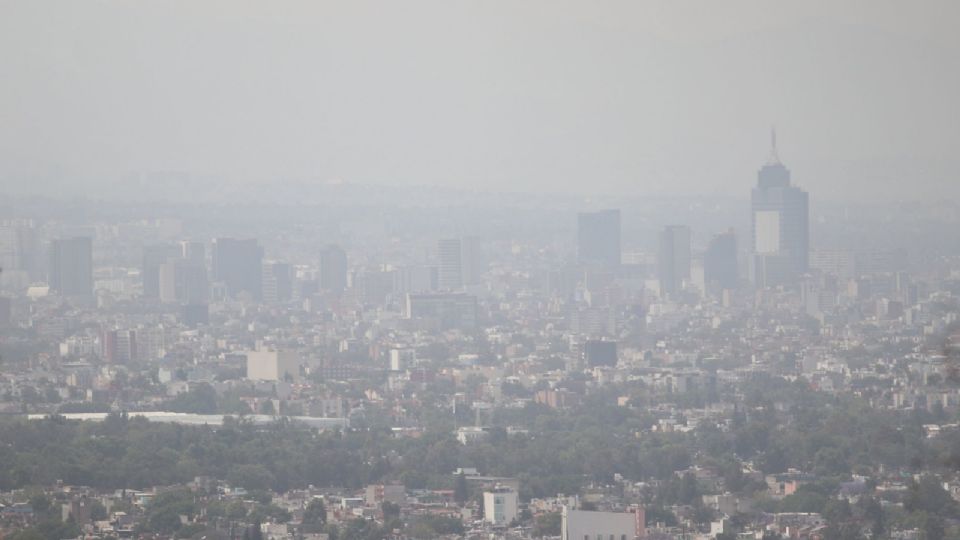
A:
(272, 365)
(499, 506)
(584, 525)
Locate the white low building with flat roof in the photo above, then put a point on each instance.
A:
(272, 365)
(586, 525)
(500, 506)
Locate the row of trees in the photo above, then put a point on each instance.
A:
(777, 425)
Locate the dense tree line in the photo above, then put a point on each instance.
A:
(563, 450)
(777, 425)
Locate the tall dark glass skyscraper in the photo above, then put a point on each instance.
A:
(720, 269)
(239, 264)
(71, 266)
(780, 225)
(598, 238)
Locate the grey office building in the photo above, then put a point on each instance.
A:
(720, 268)
(674, 258)
(239, 265)
(154, 257)
(450, 277)
(71, 266)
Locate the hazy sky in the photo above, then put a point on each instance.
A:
(633, 97)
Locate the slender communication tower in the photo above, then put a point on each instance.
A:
(774, 156)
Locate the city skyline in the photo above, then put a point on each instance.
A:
(479, 270)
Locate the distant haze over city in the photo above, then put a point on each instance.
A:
(628, 98)
(479, 270)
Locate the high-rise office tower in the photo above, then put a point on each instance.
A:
(154, 257)
(333, 269)
(450, 274)
(598, 238)
(195, 252)
(674, 258)
(19, 253)
(372, 286)
(720, 270)
(239, 265)
(183, 281)
(416, 279)
(71, 266)
(781, 225)
(277, 282)
(448, 310)
(166, 281)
